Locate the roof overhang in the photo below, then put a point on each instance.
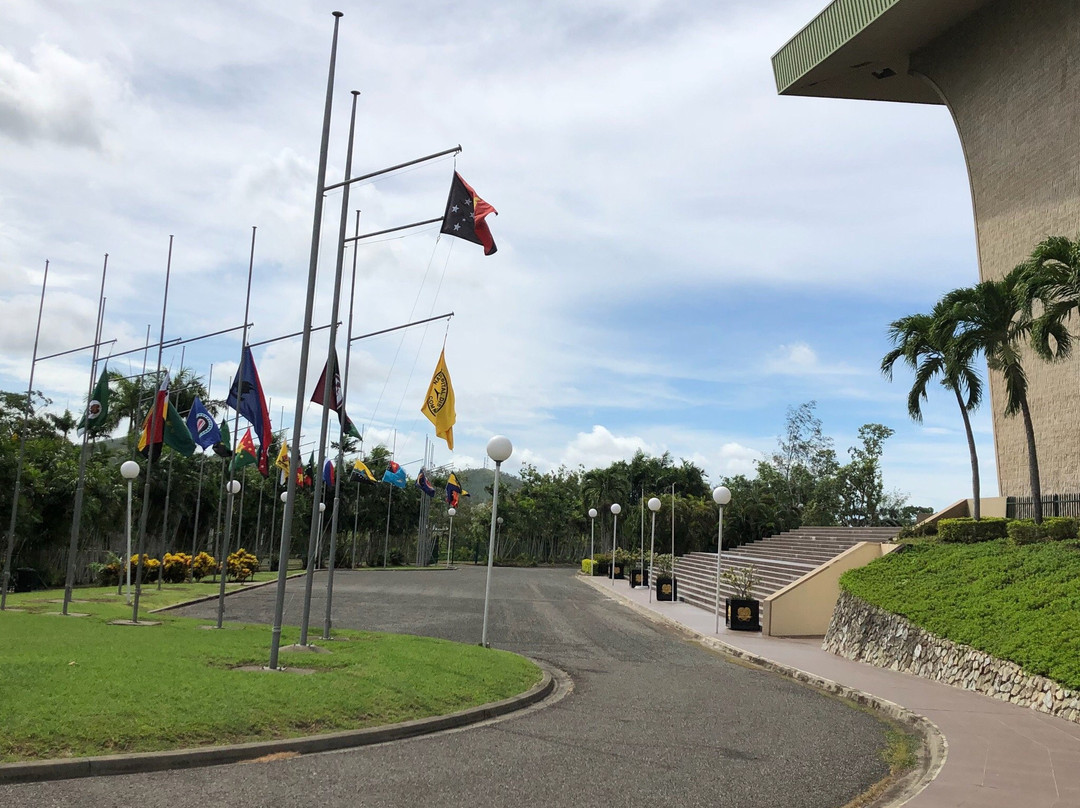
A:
(861, 49)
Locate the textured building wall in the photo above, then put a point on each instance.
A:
(1010, 74)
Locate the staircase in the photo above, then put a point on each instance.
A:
(777, 561)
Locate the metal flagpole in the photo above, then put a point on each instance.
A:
(641, 508)
(153, 421)
(389, 499)
(22, 452)
(224, 560)
(301, 376)
(131, 432)
(168, 495)
(341, 415)
(217, 527)
(202, 466)
(330, 393)
(674, 580)
(80, 488)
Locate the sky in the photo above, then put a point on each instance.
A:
(683, 254)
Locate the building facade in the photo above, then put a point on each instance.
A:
(1009, 72)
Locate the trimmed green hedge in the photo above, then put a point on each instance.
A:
(969, 531)
(1054, 528)
(1020, 603)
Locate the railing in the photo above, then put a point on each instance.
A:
(1054, 505)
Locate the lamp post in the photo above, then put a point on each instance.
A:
(499, 449)
(721, 496)
(654, 506)
(129, 470)
(615, 509)
(451, 512)
(498, 534)
(232, 488)
(592, 537)
(284, 531)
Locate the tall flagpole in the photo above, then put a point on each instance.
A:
(389, 499)
(344, 384)
(80, 488)
(329, 391)
(305, 346)
(140, 546)
(168, 497)
(22, 451)
(202, 466)
(273, 506)
(224, 560)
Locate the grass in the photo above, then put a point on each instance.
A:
(1016, 603)
(73, 687)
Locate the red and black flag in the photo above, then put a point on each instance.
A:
(465, 214)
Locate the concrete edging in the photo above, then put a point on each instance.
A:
(206, 598)
(63, 769)
(935, 746)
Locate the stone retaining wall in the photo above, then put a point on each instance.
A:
(866, 633)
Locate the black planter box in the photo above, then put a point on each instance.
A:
(639, 577)
(742, 614)
(602, 568)
(667, 588)
(618, 570)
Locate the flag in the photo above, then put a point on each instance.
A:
(453, 491)
(339, 400)
(361, 473)
(223, 448)
(423, 484)
(98, 407)
(245, 453)
(246, 397)
(177, 436)
(167, 426)
(439, 403)
(465, 214)
(282, 461)
(202, 426)
(395, 475)
(329, 474)
(309, 471)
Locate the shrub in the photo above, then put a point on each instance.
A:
(742, 580)
(588, 566)
(1057, 528)
(622, 556)
(202, 565)
(150, 567)
(921, 531)
(242, 565)
(970, 531)
(663, 564)
(107, 573)
(175, 568)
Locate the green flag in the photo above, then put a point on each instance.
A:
(98, 408)
(176, 434)
(223, 448)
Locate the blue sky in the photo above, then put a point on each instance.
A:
(683, 254)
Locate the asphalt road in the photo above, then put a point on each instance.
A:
(652, 719)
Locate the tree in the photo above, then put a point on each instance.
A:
(928, 345)
(862, 487)
(992, 317)
(1053, 278)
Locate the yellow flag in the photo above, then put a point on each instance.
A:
(439, 403)
(282, 461)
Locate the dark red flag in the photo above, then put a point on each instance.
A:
(465, 214)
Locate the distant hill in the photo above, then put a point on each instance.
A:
(478, 483)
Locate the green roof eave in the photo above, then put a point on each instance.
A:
(860, 49)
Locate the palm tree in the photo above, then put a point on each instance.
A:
(992, 317)
(1053, 279)
(927, 343)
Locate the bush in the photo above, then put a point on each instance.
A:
(663, 564)
(176, 567)
(1057, 528)
(202, 565)
(970, 531)
(588, 566)
(622, 556)
(150, 567)
(921, 531)
(107, 573)
(242, 565)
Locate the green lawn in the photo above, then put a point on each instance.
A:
(79, 686)
(1016, 603)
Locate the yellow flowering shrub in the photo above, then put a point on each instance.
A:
(202, 565)
(175, 568)
(242, 565)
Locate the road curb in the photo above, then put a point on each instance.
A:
(935, 746)
(37, 771)
(206, 598)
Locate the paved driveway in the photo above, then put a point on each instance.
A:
(652, 719)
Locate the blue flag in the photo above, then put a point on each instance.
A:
(246, 397)
(329, 475)
(423, 484)
(395, 475)
(204, 429)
